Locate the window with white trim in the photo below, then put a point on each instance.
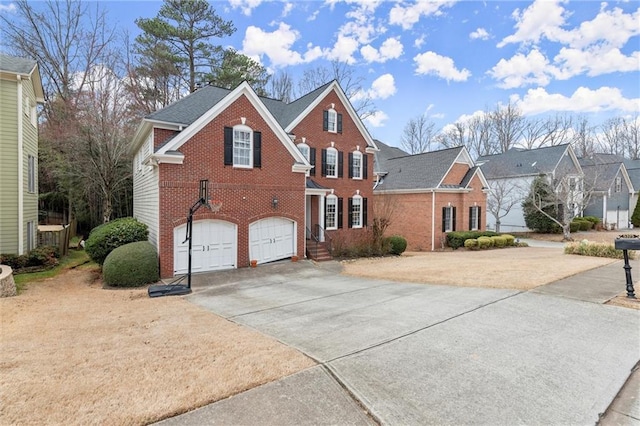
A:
(474, 218)
(618, 184)
(356, 212)
(331, 212)
(332, 121)
(31, 236)
(242, 146)
(332, 162)
(356, 165)
(448, 219)
(304, 150)
(31, 174)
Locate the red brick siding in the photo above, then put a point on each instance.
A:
(310, 127)
(160, 136)
(246, 194)
(456, 174)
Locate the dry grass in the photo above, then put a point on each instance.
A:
(74, 353)
(515, 268)
(595, 236)
(622, 300)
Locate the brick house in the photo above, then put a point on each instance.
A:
(427, 195)
(282, 173)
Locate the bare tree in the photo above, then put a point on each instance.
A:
(384, 209)
(632, 137)
(281, 86)
(584, 140)
(474, 134)
(503, 196)
(612, 136)
(551, 131)
(508, 124)
(418, 135)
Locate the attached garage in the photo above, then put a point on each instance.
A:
(214, 246)
(270, 239)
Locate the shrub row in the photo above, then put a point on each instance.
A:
(485, 242)
(44, 256)
(587, 248)
(395, 244)
(456, 239)
(108, 236)
(583, 223)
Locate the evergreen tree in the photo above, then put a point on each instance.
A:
(635, 217)
(236, 68)
(541, 194)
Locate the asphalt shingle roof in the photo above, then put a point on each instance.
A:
(517, 162)
(599, 176)
(418, 171)
(188, 109)
(16, 65)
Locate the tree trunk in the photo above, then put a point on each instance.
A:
(497, 226)
(566, 233)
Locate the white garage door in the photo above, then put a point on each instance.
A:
(272, 239)
(214, 247)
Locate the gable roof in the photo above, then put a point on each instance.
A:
(601, 170)
(188, 109)
(424, 171)
(385, 153)
(524, 162)
(23, 67)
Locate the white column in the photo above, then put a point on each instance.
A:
(321, 216)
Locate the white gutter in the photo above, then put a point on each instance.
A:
(20, 170)
(433, 220)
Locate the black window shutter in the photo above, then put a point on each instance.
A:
(444, 219)
(325, 120)
(364, 212)
(340, 164)
(350, 214)
(312, 161)
(479, 218)
(470, 218)
(228, 146)
(324, 162)
(257, 149)
(350, 165)
(339, 218)
(364, 166)
(339, 123)
(453, 219)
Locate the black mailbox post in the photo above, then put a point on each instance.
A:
(628, 243)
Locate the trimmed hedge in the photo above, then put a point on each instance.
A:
(111, 235)
(587, 248)
(131, 265)
(511, 240)
(398, 244)
(499, 241)
(471, 243)
(456, 239)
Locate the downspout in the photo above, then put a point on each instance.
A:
(433, 220)
(20, 170)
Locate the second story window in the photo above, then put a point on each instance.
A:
(332, 121)
(331, 163)
(31, 174)
(242, 147)
(355, 171)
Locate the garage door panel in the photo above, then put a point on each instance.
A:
(271, 239)
(214, 247)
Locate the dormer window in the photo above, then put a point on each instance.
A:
(332, 121)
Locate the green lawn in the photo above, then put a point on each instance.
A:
(72, 260)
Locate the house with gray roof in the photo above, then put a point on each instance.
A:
(511, 174)
(20, 93)
(609, 190)
(426, 195)
(285, 180)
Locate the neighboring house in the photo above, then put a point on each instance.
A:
(20, 93)
(633, 169)
(427, 195)
(514, 172)
(283, 172)
(610, 190)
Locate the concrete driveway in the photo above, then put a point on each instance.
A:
(423, 354)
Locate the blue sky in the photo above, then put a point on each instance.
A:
(446, 59)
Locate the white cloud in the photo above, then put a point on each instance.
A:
(246, 6)
(409, 15)
(542, 18)
(381, 88)
(11, 7)
(276, 45)
(480, 33)
(377, 119)
(613, 27)
(313, 16)
(431, 63)
(522, 70)
(391, 48)
(419, 41)
(595, 61)
(342, 50)
(286, 10)
(538, 101)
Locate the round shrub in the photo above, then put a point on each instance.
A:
(485, 242)
(499, 241)
(471, 243)
(511, 240)
(574, 226)
(108, 236)
(131, 265)
(398, 244)
(592, 219)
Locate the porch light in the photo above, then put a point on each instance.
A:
(274, 202)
